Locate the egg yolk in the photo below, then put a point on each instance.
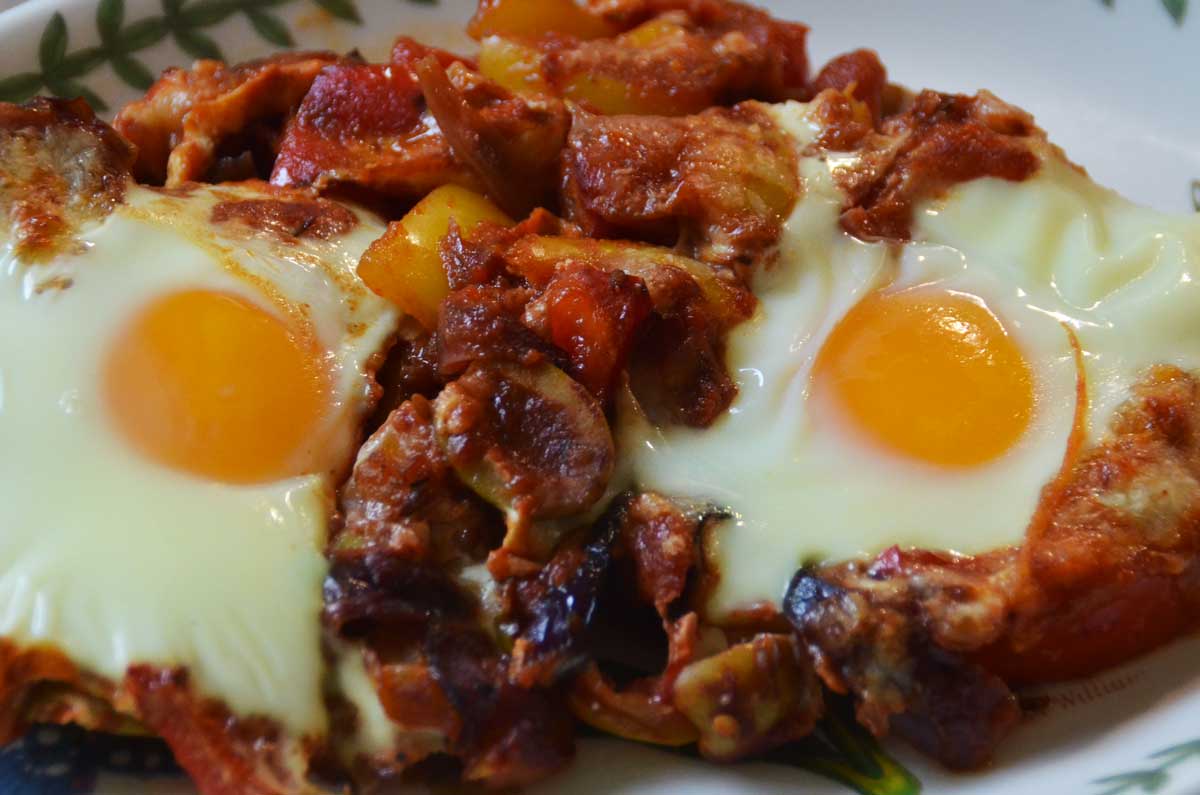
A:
(931, 375)
(211, 384)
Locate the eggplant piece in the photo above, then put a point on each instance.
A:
(531, 441)
(553, 638)
(378, 589)
(510, 736)
(876, 647)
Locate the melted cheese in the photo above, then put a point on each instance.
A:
(1053, 252)
(116, 560)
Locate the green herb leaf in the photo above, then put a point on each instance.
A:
(81, 62)
(69, 89)
(207, 13)
(142, 34)
(53, 45)
(133, 72)
(1177, 9)
(342, 9)
(20, 87)
(269, 27)
(842, 750)
(171, 7)
(197, 44)
(110, 16)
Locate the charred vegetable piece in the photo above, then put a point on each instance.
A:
(531, 441)
(949, 707)
(560, 605)
(750, 698)
(379, 590)
(510, 736)
(405, 265)
(535, 18)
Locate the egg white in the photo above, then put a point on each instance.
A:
(114, 559)
(1053, 252)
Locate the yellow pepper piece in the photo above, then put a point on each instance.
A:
(648, 34)
(533, 18)
(611, 95)
(515, 66)
(405, 265)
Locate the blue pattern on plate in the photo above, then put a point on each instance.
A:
(64, 760)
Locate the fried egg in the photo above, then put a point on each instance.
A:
(177, 397)
(922, 395)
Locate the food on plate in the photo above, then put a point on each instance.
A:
(396, 419)
(185, 381)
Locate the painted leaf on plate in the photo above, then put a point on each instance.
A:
(1176, 8)
(1150, 779)
(60, 71)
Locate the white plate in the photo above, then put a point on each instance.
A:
(1115, 83)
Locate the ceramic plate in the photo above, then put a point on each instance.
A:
(1115, 83)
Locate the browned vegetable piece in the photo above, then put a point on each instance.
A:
(554, 610)
(719, 184)
(677, 368)
(483, 323)
(532, 442)
(863, 641)
(508, 144)
(423, 722)
(510, 736)
(661, 540)
(658, 58)
(636, 713)
(364, 129)
(750, 698)
(62, 166)
(644, 709)
(187, 116)
(859, 73)
(403, 500)
(938, 142)
(594, 316)
(539, 257)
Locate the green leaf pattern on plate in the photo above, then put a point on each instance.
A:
(1176, 8)
(61, 70)
(1150, 779)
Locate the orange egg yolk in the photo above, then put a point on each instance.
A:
(211, 384)
(928, 374)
